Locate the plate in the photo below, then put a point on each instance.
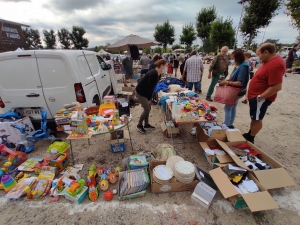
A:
(163, 172)
(173, 160)
(183, 168)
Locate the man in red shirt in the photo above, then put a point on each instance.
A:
(263, 87)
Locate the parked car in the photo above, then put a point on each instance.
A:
(47, 79)
(284, 52)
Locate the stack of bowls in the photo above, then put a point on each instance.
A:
(184, 172)
(162, 174)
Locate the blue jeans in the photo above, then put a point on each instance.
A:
(196, 84)
(230, 112)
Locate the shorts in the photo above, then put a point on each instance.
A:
(128, 75)
(289, 64)
(176, 64)
(258, 109)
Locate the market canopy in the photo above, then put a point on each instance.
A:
(103, 52)
(140, 42)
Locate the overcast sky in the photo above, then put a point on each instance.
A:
(111, 20)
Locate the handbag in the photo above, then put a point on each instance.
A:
(226, 95)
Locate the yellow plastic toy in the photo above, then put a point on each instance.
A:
(107, 108)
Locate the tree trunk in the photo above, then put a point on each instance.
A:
(249, 42)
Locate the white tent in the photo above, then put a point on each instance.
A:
(103, 52)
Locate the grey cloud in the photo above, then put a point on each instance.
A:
(15, 0)
(69, 5)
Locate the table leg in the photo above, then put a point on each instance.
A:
(119, 143)
(72, 152)
(89, 141)
(130, 136)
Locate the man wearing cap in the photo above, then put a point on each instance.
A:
(193, 70)
(128, 68)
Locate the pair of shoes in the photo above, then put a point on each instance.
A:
(132, 85)
(125, 85)
(209, 99)
(141, 129)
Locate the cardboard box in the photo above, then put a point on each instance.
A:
(11, 136)
(169, 131)
(109, 98)
(222, 135)
(127, 197)
(257, 201)
(77, 198)
(128, 89)
(276, 177)
(215, 160)
(173, 186)
(115, 145)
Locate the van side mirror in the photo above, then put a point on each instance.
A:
(108, 67)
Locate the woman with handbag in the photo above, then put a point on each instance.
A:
(239, 78)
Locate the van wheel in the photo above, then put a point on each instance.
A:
(96, 100)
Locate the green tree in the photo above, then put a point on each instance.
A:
(273, 41)
(258, 14)
(298, 39)
(188, 35)
(293, 7)
(254, 46)
(147, 50)
(158, 50)
(176, 46)
(203, 22)
(165, 34)
(33, 38)
(222, 32)
(49, 39)
(77, 38)
(64, 38)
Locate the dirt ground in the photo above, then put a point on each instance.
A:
(280, 137)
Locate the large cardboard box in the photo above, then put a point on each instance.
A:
(276, 177)
(173, 186)
(11, 136)
(115, 144)
(214, 161)
(257, 201)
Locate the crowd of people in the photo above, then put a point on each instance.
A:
(259, 89)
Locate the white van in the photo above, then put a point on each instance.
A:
(48, 79)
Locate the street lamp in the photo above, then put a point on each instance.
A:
(240, 2)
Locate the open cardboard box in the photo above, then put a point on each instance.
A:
(213, 160)
(128, 89)
(276, 177)
(222, 135)
(115, 145)
(257, 201)
(173, 186)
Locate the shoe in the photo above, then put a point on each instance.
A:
(209, 99)
(132, 85)
(125, 85)
(249, 138)
(231, 127)
(149, 127)
(141, 129)
(285, 75)
(225, 127)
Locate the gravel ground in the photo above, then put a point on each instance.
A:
(279, 138)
